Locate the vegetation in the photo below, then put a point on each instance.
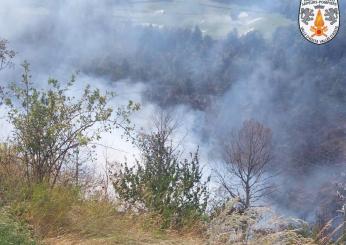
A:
(6, 54)
(227, 227)
(160, 197)
(247, 158)
(12, 231)
(49, 125)
(162, 182)
(37, 170)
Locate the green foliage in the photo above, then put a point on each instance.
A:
(12, 232)
(163, 183)
(6, 55)
(49, 124)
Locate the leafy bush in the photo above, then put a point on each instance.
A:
(12, 232)
(49, 124)
(161, 182)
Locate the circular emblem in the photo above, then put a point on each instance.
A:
(319, 20)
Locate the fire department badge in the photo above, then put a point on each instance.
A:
(319, 20)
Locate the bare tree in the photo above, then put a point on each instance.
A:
(247, 156)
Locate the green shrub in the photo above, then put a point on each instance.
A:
(162, 183)
(12, 232)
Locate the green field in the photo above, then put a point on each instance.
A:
(215, 19)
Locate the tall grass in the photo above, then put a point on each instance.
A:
(48, 210)
(64, 211)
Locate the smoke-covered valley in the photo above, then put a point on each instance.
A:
(215, 63)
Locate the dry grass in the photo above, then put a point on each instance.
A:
(256, 226)
(133, 239)
(95, 221)
(102, 220)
